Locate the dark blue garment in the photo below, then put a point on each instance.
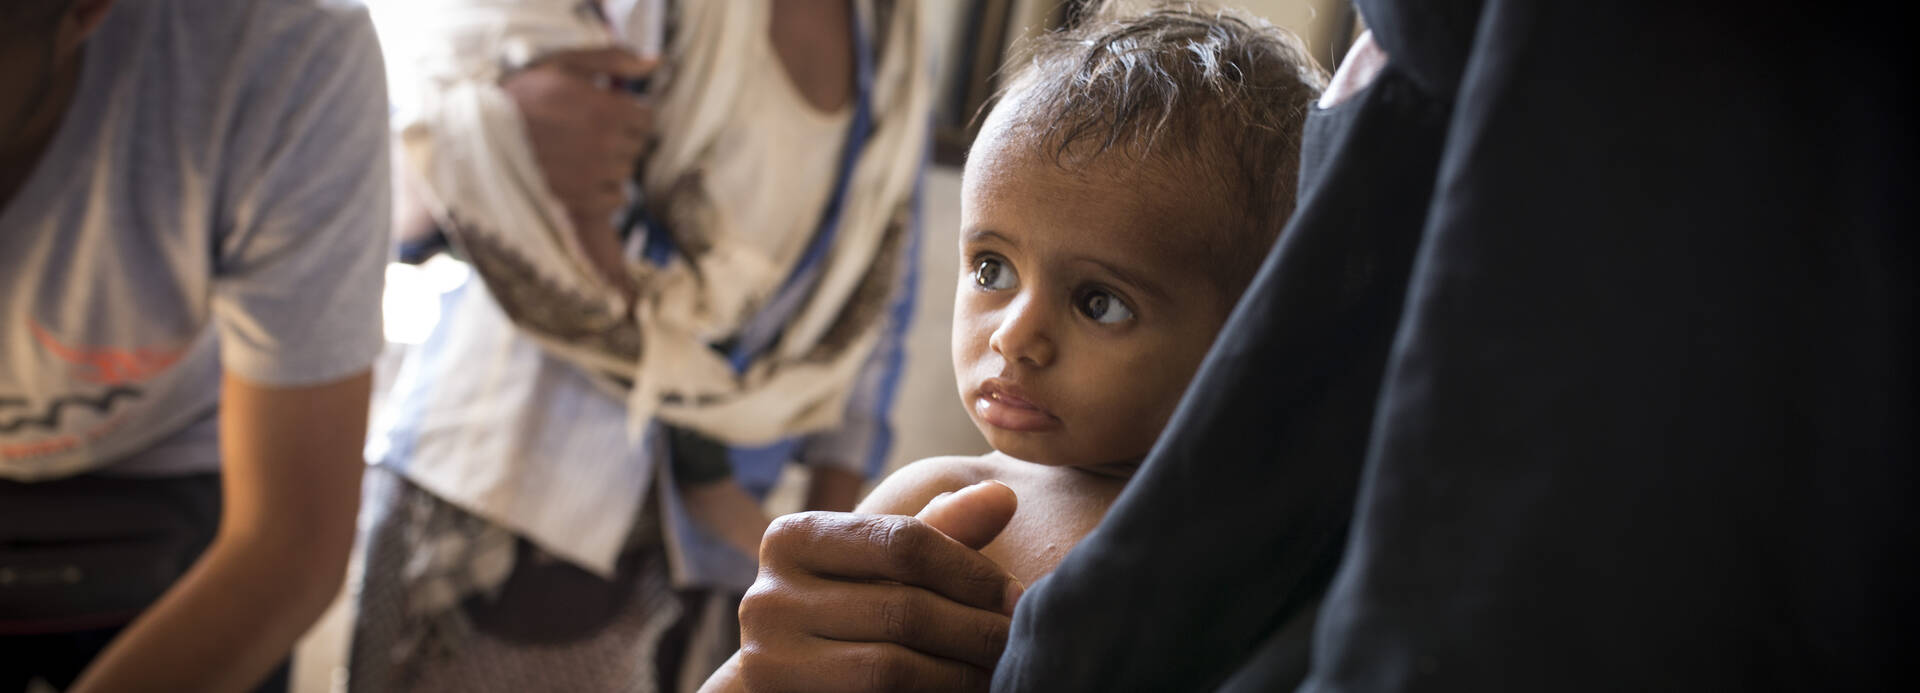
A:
(1645, 421)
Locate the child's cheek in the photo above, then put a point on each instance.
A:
(972, 329)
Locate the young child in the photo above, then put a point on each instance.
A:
(1115, 204)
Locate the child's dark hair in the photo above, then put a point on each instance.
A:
(1210, 94)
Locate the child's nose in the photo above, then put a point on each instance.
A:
(1023, 333)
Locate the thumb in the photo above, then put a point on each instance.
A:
(973, 515)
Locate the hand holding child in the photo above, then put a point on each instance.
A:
(849, 602)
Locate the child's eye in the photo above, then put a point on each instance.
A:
(992, 274)
(1103, 307)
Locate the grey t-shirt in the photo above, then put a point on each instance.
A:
(216, 198)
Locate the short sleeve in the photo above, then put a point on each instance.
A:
(303, 246)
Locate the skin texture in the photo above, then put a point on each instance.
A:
(1079, 320)
(1058, 505)
(814, 40)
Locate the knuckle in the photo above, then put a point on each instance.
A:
(770, 604)
(895, 535)
(896, 615)
(758, 601)
(787, 530)
(909, 548)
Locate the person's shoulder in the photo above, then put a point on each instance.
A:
(909, 488)
(308, 87)
(262, 24)
(266, 53)
(322, 29)
(261, 13)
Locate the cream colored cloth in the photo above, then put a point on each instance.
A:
(465, 143)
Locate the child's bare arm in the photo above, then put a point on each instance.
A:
(910, 488)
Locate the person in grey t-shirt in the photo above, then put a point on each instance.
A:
(193, 213)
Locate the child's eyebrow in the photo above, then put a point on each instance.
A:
(977, 235)
(1130, 278)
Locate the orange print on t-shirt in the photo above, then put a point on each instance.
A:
(108, 366)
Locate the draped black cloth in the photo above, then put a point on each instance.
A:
(1585, 364)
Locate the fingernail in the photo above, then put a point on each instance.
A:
(1014, 590)
(943, 494)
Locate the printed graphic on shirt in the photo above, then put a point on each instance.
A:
(107, 365)
(111, 377)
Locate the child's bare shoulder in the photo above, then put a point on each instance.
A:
(908, 489)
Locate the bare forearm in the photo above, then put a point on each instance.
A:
(725, 509)
(290, 485)
(832, 489)
(223, 626)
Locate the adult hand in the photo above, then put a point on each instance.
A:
(848, 602)
(587, 137)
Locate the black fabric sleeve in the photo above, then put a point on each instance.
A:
(1648, 420)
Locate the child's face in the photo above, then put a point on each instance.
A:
(1081, 314)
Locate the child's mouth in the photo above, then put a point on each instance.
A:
(1000, 405)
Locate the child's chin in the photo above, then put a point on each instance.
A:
(1025, 447)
